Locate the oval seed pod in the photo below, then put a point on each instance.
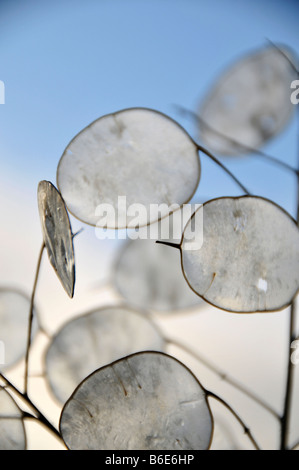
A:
(57, 233)
(242, 254)
(249, 103)
(128, 161)
(93, 340)
(147, 401)
(12, 431)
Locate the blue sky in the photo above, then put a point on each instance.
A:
(65, 63)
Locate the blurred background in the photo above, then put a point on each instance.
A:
(64, 64)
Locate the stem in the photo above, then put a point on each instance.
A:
(236, 143)
(173, 245)
(285, 420)
(31, 321)
(211, 156)
(284, 54)
(238, 418)
(77, 233)
(286, 417)
(40, 417)
(223, 376)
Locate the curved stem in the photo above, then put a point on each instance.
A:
(31, 321)
(172, 245)
(43, 420)
(285, 420)
(295, 446)
(284, 54)
(78, 232)
(238, 418)
(212, 157)
(225, 377)
(237, 144)
(286, 417)
(39, 416)
(276, 161)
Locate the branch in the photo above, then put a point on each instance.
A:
(225, 377)
(295, 446)
(39, 416)
(172, 245)
(211, 156)
(238, 418)
(236, 143)
(284, 54)
(285, 420)
(286, 417)
(31, 321)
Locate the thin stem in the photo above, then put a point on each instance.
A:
(285, 420)
(276, 161)
(295, 446)
(78, 232)
(238, 418)
(225, 377)
(39, 416)
(173, 245)
(286, 417)
(242, 146)
(284, 54)
(31, 312)
(214, 159)
(42, 419)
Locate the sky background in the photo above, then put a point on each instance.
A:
(64, 64)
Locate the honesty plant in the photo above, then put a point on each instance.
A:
(108, 367)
